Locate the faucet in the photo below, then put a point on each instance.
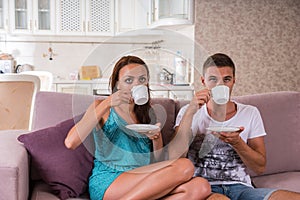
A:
(169, 76)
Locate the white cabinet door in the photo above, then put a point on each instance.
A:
(85, 17)
(101, 88)
(70, 17)
(100, 17)
(74, 88)
(143, 11)
(170, 12)
(159, 94)
(181, 95)
(32, 16)
(132, 15)
(3, 16)
(43, 17)
(20, 16)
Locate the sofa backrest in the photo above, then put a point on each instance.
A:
(52, 108)
(280, 112)
(165, 112)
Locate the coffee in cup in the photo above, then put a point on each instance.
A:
(220, 94)
(140, 94)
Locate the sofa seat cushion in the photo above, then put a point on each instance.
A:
(14, 170)
(286, 180)
(65, 170)
(42, 191)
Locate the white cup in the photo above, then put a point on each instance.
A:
(140, 94)
(220, 94)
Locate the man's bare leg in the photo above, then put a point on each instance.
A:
(284, 194)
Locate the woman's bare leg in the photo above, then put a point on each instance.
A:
(152, 181)
(196, 188)
(217, 196)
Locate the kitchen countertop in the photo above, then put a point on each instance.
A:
(153, 85)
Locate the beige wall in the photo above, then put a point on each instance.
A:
(261, 36)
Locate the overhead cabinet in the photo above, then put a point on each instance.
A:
(85, 17)
(170, 12)
(91, 17)
(132, 15)
(32, 16)
(3, 16)
(142, 14)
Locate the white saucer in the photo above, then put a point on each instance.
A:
(223, 129)
(142, 128)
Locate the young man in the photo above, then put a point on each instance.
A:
(222, 157)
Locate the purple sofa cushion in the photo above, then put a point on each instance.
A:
(65, 171)
(52, 108)
(280, 112)
(286, 180)
(165, 112)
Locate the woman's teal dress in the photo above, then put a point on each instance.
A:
(117, 149)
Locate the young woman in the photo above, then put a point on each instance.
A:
(125, 165)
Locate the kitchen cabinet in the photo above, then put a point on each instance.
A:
(32, 17)
(170, 12)
(132, 15)
(101, 87)
(74, 88)
(181, 95)
(3, 16)
(172, 92)
(176, 94)
(85, 17)
(159, 94)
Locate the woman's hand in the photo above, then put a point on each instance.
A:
(120, 97)
(154, 134)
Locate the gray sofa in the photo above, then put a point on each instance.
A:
(280, 112)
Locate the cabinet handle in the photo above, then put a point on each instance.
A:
(147, 19)
(154, 15)
(6, 24)
(30, 25)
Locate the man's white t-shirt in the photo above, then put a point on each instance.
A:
(214, 159)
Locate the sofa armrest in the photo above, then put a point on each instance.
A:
(14, 166)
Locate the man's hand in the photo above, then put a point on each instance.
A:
(200, 98)
(231, 138)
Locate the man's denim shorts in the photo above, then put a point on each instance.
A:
(242, 192)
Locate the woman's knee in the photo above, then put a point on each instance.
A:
(197, 188)
(184, 167)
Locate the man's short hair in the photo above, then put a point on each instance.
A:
(218, 60)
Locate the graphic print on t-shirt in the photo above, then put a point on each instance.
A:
(215, 160)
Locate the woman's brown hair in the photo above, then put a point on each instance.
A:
(142, 112)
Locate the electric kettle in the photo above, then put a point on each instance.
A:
(23, 68)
